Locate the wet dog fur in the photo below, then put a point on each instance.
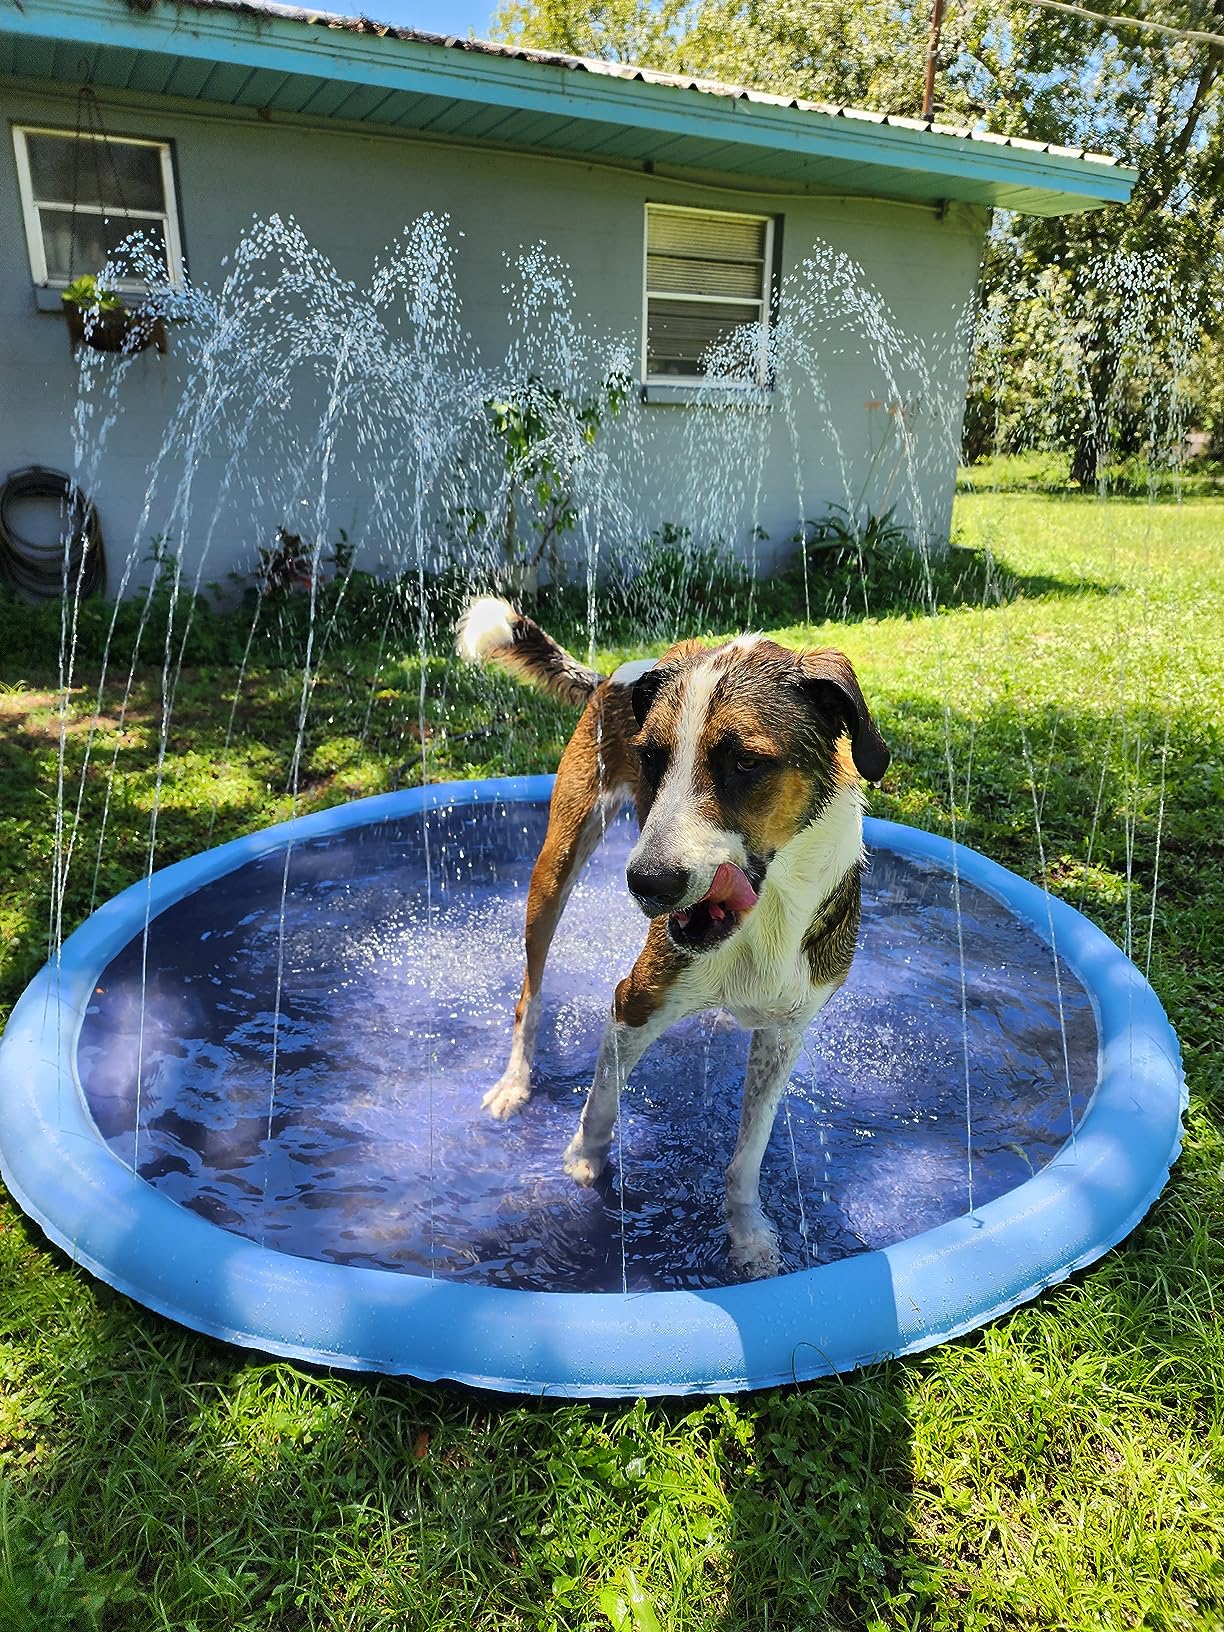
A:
(744, 763)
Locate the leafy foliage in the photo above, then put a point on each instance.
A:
(864, 52)
(543, 436)
(842, 529)
(87, 293)
(1100, 315)
(286, 565)
(1073, 362)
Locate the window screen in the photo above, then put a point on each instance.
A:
(83, 195)
(707, 280)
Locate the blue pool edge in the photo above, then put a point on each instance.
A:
(834, 1317)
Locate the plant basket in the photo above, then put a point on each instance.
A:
(114, 328)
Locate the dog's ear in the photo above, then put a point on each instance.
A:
(645, 690)
(830, 681)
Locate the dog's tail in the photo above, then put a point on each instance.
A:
(491, 631)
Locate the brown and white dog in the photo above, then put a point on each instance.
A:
(744, 762)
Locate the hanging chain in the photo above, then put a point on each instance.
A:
(91, 132)
(76, 187)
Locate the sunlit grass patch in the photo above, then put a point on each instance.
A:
(1062, 1468)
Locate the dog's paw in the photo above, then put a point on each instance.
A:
(581, 1164)
(508, 1094)
(754, 1247)
(756, 1257)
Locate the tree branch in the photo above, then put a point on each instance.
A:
(1158, 194)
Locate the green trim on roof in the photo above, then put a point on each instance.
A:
(319, 67)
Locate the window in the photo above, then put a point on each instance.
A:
(83, 195)
(707, 274)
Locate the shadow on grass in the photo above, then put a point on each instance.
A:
(156, 1479)
(696, 596)
(845, 588)
(677, 595)
(163, 1480)
(1117, 803)
(225, 768)
(167, 1481)
(177, 1482)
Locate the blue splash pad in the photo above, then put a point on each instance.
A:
(382, 999)
(364, 1211)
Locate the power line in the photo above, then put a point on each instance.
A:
(1130, 22)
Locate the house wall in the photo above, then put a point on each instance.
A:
(352, 190)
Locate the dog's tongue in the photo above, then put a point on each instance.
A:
(730, 889)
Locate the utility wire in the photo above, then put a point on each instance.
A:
(1200, 34)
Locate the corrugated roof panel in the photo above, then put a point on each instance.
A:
(36, 58)
(497, 131)
(1027, 201)
(725, 157)
(133, 70)
(187, 77)
(542, 130)
(409, 112)
(363, 102)
(172, 76)
(451, 118)
(68, 64)
(225, 83)
(259, 88)
(1024, 145)
(682, 152)
(163, 74)
(263, 54)
(324, 97)
(792, 168)
(465, 120)
(626, 142)
(295, 90)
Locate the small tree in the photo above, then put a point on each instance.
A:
(545, 438)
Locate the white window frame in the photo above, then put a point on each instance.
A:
(30, 206)
(764, 304)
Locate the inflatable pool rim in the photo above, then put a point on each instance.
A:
(834, 1317)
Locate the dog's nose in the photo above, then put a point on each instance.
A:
(657, 885)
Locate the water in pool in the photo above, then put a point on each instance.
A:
(343, 1121)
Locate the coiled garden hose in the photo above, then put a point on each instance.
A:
(39, 571)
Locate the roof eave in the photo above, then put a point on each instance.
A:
(957, 166)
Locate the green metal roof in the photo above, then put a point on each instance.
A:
(318, 66)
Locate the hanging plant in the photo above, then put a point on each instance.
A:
(97, 318)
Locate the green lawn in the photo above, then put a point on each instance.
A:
(1062, 1469)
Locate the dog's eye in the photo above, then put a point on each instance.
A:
(652, 761)
(745, 764)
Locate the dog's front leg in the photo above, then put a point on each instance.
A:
(577, 818)
(771, 1055)
(620, 1049)
(645, 1005)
